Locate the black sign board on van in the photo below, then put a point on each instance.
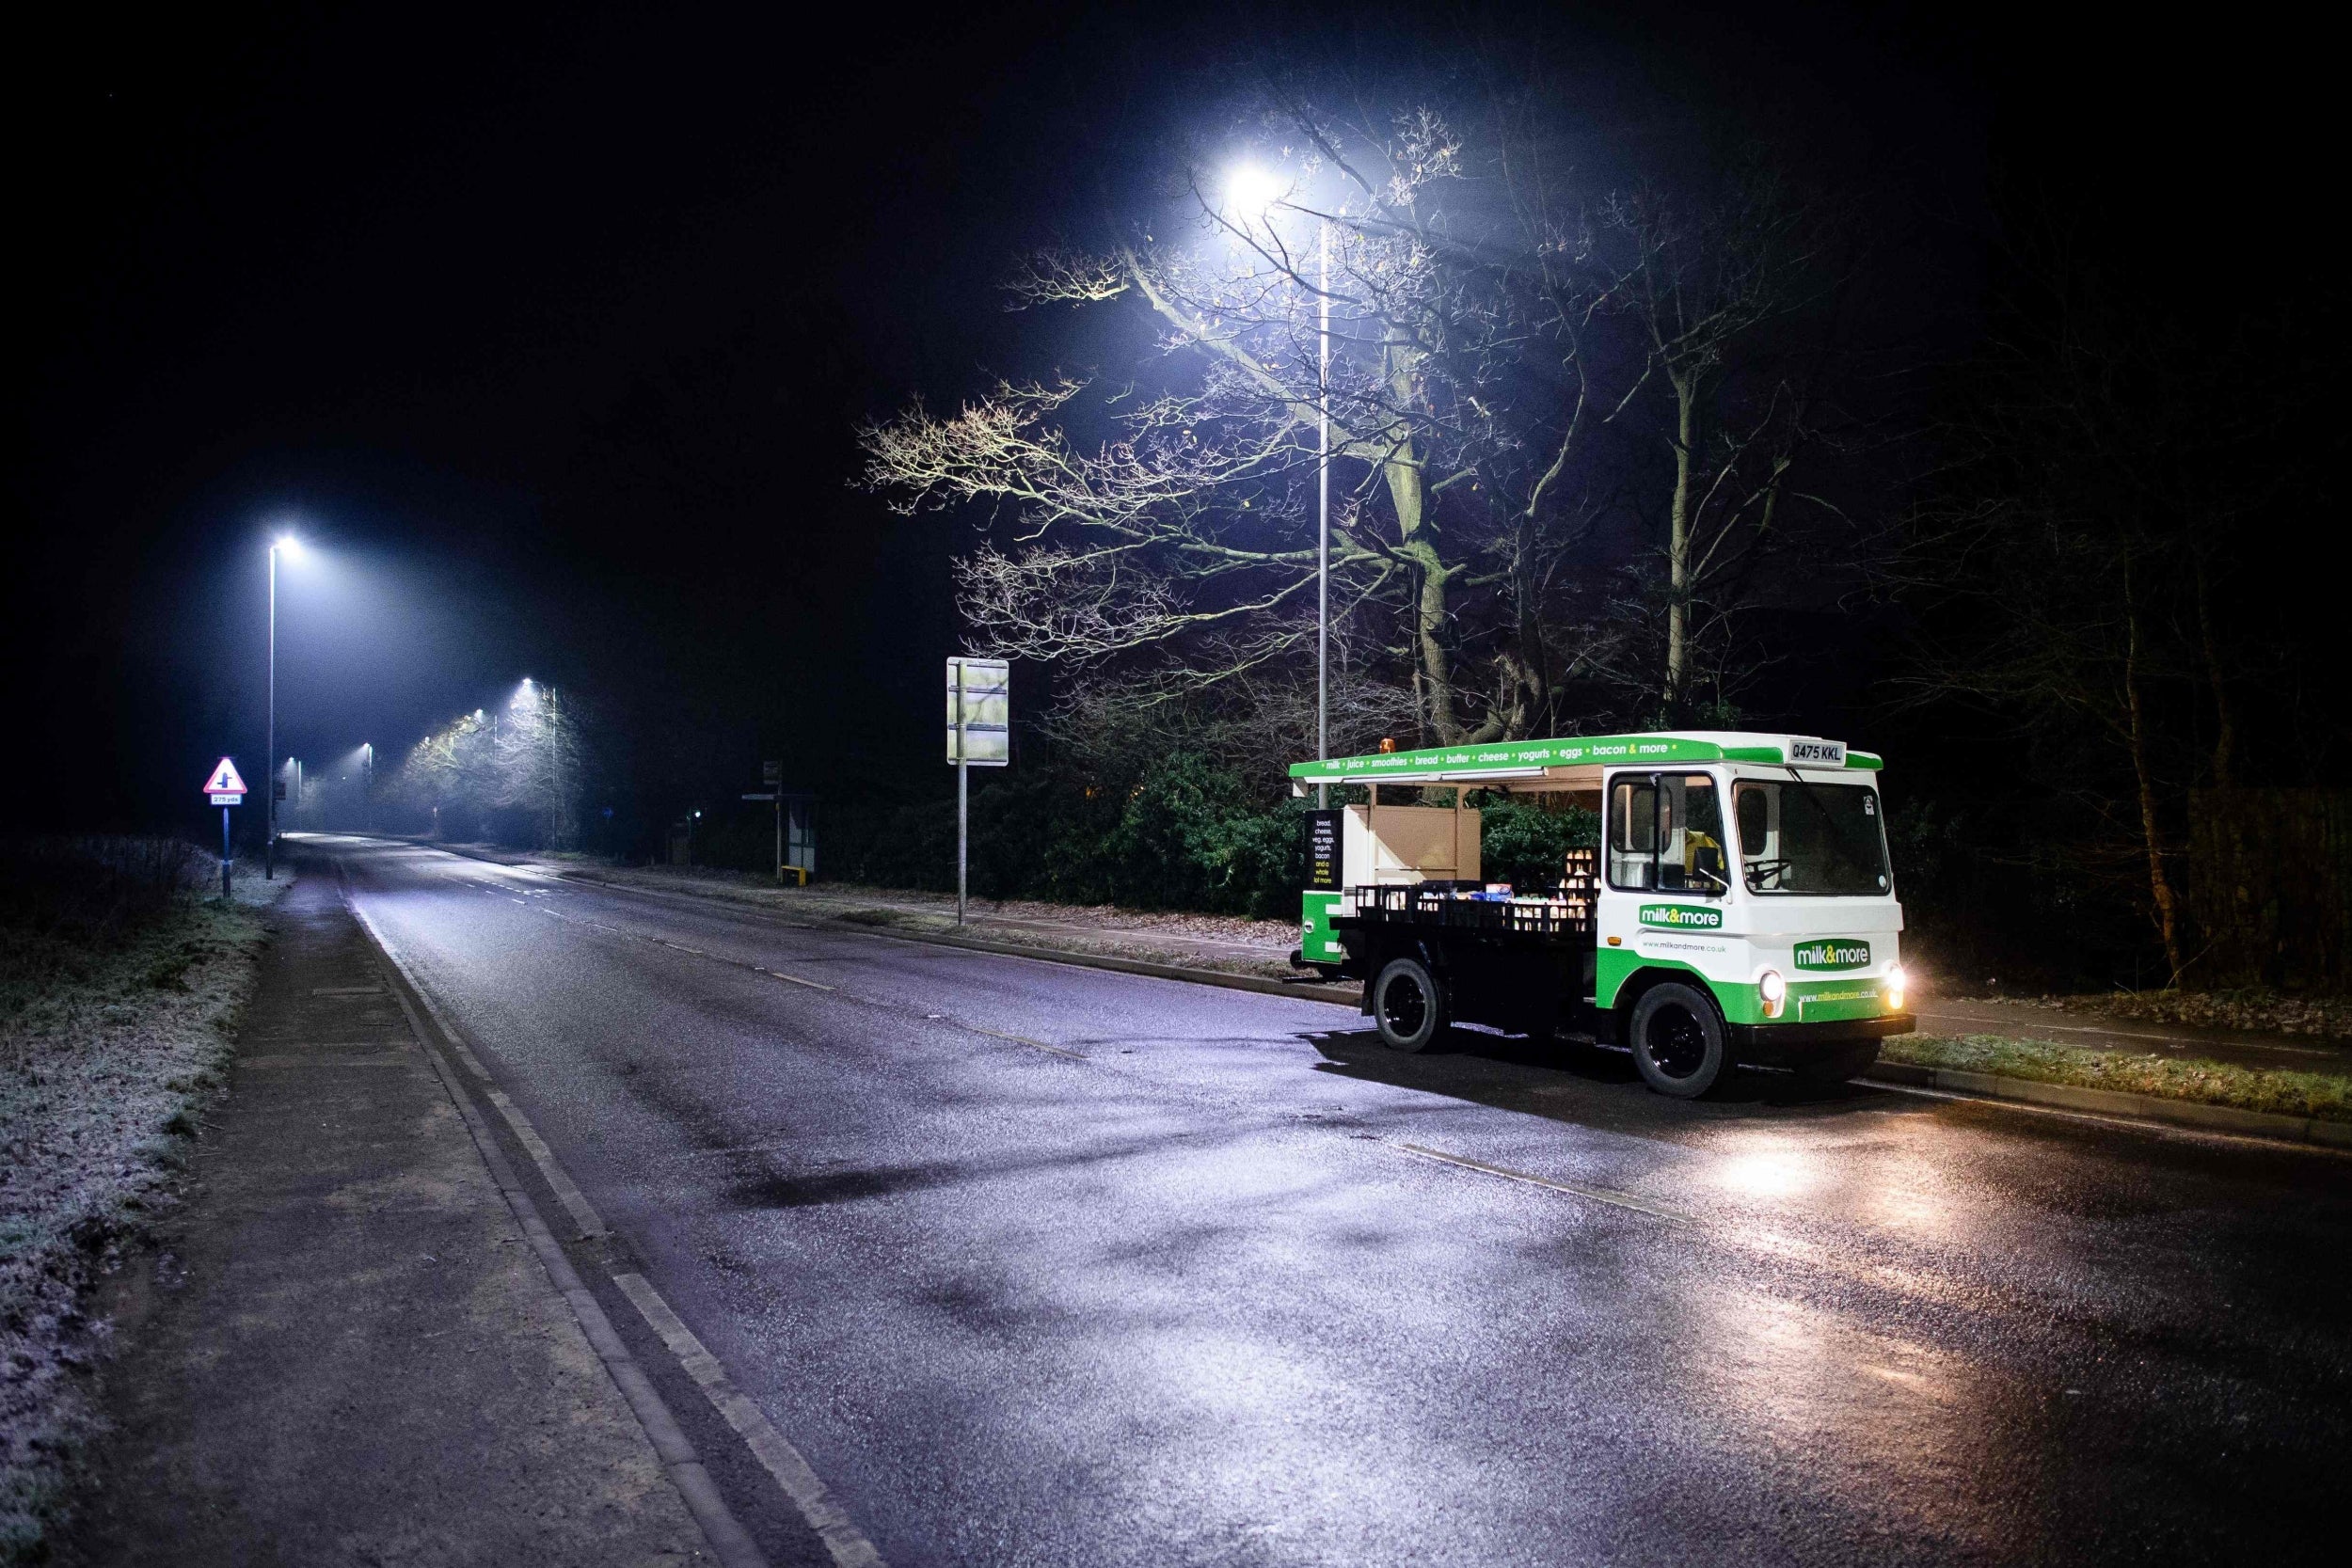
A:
(1325, 872)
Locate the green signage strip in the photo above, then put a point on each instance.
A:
(1617, 751)
(1836, 953)
(1682, 917)
(1507, 756)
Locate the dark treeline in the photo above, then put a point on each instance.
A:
(2125, 761)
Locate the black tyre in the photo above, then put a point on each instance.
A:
(1843, 1062)
(1677, 1040)
(1408, 1005)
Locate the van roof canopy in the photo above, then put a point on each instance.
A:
(1575, 761)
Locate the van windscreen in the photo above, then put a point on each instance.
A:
(1821, 839)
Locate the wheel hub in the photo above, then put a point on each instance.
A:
(1404, 1006)
(1677, 1046)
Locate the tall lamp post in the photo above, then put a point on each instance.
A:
(1323, 509)
(1254, 190)
(287, 543)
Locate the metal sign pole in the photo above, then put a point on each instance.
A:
(1323, 527)
(269, 752)
(224, 851)
(963, 797)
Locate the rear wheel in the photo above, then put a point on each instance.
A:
(1837, 1065)
(1677, 1040)
(1408, 1005)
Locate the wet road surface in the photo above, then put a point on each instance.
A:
(1045, 1265)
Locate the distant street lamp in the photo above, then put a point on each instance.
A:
(1255, 190)
(291, 547)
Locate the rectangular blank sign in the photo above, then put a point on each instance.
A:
(987, 710)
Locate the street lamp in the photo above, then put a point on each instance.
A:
(291, 546)
(1258, 191)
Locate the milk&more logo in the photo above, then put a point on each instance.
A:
(1682, 917)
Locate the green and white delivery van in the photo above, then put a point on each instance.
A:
(1740, 906)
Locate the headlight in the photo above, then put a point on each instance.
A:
(1895, 982)
(1773, 989)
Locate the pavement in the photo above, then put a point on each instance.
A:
(344, 1350)
(940, 1256)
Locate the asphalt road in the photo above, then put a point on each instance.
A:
(1046, 1265)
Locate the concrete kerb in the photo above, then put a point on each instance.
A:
(2187, 1114)
(2155, 1109)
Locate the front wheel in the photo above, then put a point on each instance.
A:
(1408, 1006)
(1677, 1040)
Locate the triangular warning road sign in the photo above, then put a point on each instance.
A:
(225, 780)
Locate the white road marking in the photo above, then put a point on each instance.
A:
(794, 979)
(575, 1202)
(1023, 1039)
(729, 1541)
(681, 947)
(783, 1462)
(1599, 1195)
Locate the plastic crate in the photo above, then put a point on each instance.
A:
(1569, 914)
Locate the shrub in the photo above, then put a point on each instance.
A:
(1525, 844)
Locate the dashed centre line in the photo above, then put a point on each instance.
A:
(794, 979)
(1574, 1189)
(1021, 1039)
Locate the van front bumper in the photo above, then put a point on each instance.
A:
(1767, 1040)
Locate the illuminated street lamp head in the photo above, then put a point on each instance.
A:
(1252, 191)
(287, 546)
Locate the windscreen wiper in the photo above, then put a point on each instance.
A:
(1844, 844)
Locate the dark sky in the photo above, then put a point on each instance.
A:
(550, 328)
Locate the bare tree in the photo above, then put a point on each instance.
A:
(1479, 335)
(1708, 278)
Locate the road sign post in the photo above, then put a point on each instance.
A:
(771, 774)
(979, 735)
(225, 788)
(963, 789)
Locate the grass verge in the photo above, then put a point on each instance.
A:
(121, 987)
(2294, 1094)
